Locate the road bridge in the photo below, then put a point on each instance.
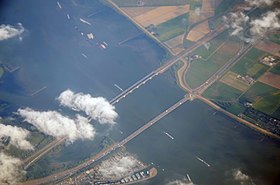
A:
(108, 150)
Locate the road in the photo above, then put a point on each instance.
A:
(108, 150)
(36, 156)
(168, 64)
(223, 70)
(112, 148)
(40, 153)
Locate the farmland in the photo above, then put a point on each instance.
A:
(199, 72)
(212, 60)
(249, 64)
(176, 44)
(269, 47)
(276, 69)
(271, 79)
(264, 97)
(206, 50)
(275, 38)
(232, 80)
(198, 31)
(172, 28)
(222, 92)
(154, 16)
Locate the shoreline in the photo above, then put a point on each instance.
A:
(240, 120)
(115, 7)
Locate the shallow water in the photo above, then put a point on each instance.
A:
(50, 55)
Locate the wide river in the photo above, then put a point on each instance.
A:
(51, 53)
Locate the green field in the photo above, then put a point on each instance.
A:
(195, 4)
(276, 69)
(222, 92)
(225, 5)
(274, 38)
(231, 79)
(236, 108)
(264, 97)
(215, 57)
(151, 2)
(172, 28)
(199, 72)
(249, 64)
(213, 45)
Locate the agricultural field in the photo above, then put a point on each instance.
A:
(215, 57)
(154, 16)
(210, 47)
(264, 97)
(150, 2)
(199, 71)
(225, 52)
(198, 31)
(222, 92)
(202, 9)
(271, 79)
(137, 11)
(172, 28)
(195, 4)
(274, 38)
(276, 69)
(250, 65)
(269, 47)
(176, 44)
(231, 79)
(225, 5)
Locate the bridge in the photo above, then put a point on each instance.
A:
(108, 150)
(168, 64)
(40, 153)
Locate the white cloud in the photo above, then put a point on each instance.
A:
(258, 3)
(239, 176)
(180, 182)
(258, 27)
(239, 20)
(18, 136)
(268, 22)
(97, 108)
(197, 10)
(9, 31)
(54, 124)
(117, 168)
(10, 169)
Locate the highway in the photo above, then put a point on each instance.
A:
(108, 150)
(112, 148)
(154, 120)
(168, 64)
(40, 153)
(223, 70)
(36, 156)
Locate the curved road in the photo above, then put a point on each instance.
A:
(36, 156)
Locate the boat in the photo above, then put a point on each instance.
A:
(118, 87)
(189, 178)
(171, 137)
(204, 162)
(58, 4)
(84, 21)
